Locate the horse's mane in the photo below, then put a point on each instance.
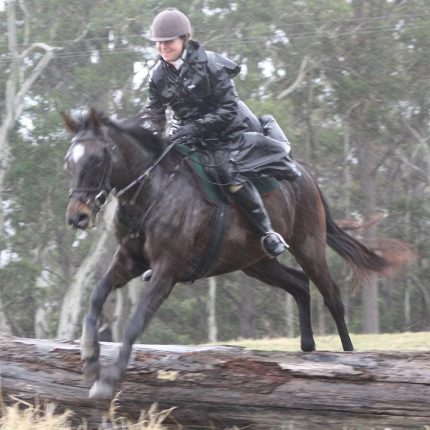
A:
(93, 120)
(133, 127)
(86, 120)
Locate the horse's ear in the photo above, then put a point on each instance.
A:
(69, 122)
(96, 118)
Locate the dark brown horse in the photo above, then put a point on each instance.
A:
(162, 222)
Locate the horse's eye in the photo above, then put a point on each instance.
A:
(97, 162)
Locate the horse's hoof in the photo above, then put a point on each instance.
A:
(308, 346)
(101, 390)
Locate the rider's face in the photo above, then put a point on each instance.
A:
(170, 50)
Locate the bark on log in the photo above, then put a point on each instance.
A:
(222, 387)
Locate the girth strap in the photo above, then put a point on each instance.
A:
(200, 266)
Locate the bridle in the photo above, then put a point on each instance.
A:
(97, 194)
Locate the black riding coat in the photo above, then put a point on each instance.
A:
(202, 91)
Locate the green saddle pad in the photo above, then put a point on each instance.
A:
(212, 192)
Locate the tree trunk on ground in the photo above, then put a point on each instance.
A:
(219, 387)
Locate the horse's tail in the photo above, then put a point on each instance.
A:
(349, 248)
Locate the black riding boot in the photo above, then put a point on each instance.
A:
(248, 199)
(271, 129)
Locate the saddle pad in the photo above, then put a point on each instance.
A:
(212, 192)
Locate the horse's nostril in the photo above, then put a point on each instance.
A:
(83, 220)
(80, 220)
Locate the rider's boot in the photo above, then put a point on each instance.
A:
(249, 200)
(272, 130)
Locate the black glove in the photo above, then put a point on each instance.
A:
(188, 133)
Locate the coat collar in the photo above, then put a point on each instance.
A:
(195, 53)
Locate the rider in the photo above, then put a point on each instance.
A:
(197, 86)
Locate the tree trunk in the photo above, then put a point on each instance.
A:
(289, 315)
(5, 328)
(211, 310)
(219, 387)
(370, 289)
(247, 310)
(18, 85)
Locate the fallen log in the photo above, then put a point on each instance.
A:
(222, 387)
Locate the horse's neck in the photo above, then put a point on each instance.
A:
(131, 161)
(171, 173)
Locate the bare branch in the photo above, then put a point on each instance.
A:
(414, 132)
(303, 71)
(38, 45)
(28, 83)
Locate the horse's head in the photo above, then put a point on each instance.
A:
(89, 162)
(94, 165)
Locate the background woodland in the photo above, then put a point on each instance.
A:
(347, 80)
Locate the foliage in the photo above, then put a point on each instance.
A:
(357, 114)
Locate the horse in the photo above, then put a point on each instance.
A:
(167, 227)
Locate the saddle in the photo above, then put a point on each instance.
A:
(211, 187)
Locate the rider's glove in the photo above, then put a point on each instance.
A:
(188, 133)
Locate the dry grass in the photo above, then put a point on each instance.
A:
(361, 342)
(25, 416)
(152, 419)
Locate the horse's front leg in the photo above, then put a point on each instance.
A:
(122, 269)
(154, 295)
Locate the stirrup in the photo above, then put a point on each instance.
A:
(147, 275)
(281, 240)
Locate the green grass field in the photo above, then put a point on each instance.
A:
(361, 342)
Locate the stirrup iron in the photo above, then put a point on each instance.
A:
(281, 241)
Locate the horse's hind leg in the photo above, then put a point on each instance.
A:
(121, 270)
(312, 260)
(295, 282)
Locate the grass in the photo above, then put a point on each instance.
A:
(25, 416)
(361, 342)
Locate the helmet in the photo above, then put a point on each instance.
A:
(170, 24)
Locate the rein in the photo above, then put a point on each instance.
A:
(141, 179)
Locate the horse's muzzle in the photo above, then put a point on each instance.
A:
(79, 214)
